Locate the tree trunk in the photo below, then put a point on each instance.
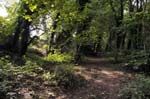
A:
(15, 42)
(25, 37)
(77, 57)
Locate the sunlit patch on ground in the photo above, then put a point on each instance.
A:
(104, 81)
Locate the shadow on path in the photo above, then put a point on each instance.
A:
(104, 80)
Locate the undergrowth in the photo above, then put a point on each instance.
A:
(137, 62)
(59, 58)
(12, 75)
(139, 88)
(64, 77)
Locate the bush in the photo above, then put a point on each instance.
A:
(5, 83)
(137, 89)
(4, 60)
(30, 68)
(137, 62)
(64, 77)
(37, 59)
(59, 58)
(10, 74)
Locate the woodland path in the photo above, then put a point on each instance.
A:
(104, 80)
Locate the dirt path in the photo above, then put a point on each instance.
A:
(104, 79)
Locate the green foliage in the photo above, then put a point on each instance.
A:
(5, 82)
(4, 29)
(4, 61)
(10, 74)
(95, 22)
(5, 87)
(65, 77)
(137, 89)
(59, 58)
(30, 68)
(7, 23)
(48, 76)
(137, 61)
(37, 59)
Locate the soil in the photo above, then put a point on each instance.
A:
(104, 79)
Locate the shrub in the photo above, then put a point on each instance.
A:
(4, 60)
(137, 89)
(10, 74)
(30, 68)
(137, 62)
(5, 84)
(59, 58)
(65, 77)
(37, 59)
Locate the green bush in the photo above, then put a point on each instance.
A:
(10, 74)
(36, 58)
(137, 89)
(137, 62)
(59, 58)
(30, 68)
(5, 83)
(4, 60)
(64, 77)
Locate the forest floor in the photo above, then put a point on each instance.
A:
(104, 79)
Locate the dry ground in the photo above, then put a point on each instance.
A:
(104, 80)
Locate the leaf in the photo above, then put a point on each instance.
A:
(33, 7)
(27, 17)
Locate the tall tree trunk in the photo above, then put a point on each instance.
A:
(118, 16)
(15, 42)
(77, 57)
(20, 46)
(25, 37)
(98, 46)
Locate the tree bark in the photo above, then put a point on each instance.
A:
(25, 37)
(15, 42)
